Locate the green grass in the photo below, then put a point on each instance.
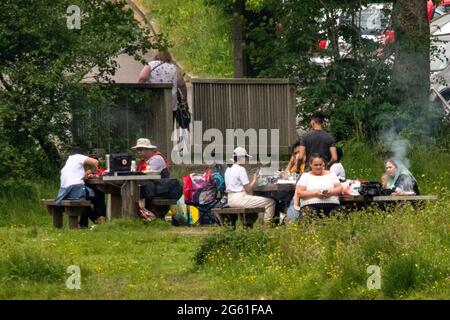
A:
(317, 259)
(199, 35)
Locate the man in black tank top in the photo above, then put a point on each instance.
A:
(318, 141)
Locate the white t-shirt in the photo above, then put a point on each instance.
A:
(317, 183)
(73, 171)
(338, 170)
(156, 163)
(165, 73)
(236, 178)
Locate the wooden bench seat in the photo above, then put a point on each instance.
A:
(247, 216)
(73, 208)
(163, 202)
(160, 206)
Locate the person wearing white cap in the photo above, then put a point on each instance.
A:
(239, 188)
(150, 158)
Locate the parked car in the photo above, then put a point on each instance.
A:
(440, 61)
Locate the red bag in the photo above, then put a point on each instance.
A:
(187, 187)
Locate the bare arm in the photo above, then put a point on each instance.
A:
(92, 162)
(302, 155)
(145, 74)
(333, 159)
(291, 163)
(249, 186)
(303, 194)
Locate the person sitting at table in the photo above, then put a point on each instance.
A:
(73, 186)
(151, 160)
(239, 188)
(337, 168)
(317, 189)
(400, 180)
(295, 165)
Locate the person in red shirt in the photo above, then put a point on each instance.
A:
(151, 160)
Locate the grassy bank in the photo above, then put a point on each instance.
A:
(199, 35)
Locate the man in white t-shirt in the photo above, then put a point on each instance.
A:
(73, 186)
(239, 188)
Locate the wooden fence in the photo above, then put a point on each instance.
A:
(139, 110)
(246, 104)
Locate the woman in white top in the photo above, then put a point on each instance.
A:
(239, 188)
(161, 70)
(317, 189)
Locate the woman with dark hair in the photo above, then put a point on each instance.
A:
(399, 179)
(73, 186)
(295, 165)
(317, 189)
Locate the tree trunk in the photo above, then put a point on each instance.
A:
(238, 32)
(411, 71)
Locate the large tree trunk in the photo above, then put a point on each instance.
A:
(238, 39)
(411, 72)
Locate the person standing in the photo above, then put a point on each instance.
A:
(162, 70)
(239, 188)
(318, 141)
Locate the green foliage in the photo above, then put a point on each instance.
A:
(42, 62)
(199, 35)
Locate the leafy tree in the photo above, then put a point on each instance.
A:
(42, 64)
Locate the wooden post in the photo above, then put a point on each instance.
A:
(116, 206)
(130, 196)
(73, 214)
(57, 214)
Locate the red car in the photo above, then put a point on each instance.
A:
(433, 10)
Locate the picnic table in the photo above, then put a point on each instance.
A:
(124, 191)
(284, 192)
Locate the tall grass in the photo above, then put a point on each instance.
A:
(199, 35)
(316, 259)
(328, 259)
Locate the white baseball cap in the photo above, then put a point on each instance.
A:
(240, 152)
(144, 143)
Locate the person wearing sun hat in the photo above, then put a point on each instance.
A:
(239, 188)
(150, 158)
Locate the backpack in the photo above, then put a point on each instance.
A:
(370, 189)
(162, 188)
(198, 191)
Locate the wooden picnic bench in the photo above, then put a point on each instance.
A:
(160, 206)
(229, 216)
(73, 208)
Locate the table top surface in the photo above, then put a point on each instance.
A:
(118, 179)
(274, 187)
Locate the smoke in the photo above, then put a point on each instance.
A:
(397, 146)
